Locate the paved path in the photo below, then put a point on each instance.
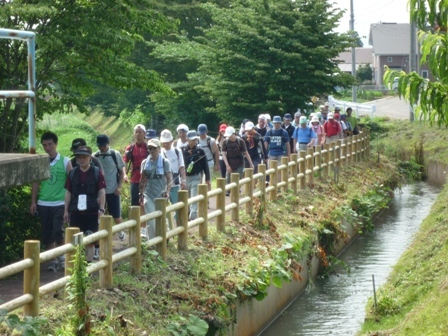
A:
(392, 107)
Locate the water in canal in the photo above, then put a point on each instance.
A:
(336, 305)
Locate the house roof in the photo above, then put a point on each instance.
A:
(363, 56)
(390, 38)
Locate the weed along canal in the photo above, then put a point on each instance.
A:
(335, 305)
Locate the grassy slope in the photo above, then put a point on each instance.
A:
(414, 301)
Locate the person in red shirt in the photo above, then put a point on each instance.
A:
(332, 129)
(133, 156)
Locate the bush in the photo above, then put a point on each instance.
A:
(16, 223)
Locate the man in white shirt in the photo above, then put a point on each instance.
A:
(176, 159)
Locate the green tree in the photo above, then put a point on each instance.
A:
(430, 98)
(364, 73)
(263, 56)
(79, 44)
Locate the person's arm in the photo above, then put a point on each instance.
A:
(215, 151)
(183, 178)
(205, 168)
(288, 149)
(69, 167)
(34, 192)
(67, 199)
(142, 185)
(169, 181)
(313, 136)
(248, 158)
(101, 200)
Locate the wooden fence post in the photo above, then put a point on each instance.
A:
(161, 227)
(310, 165)
(262, 181)
(135, 240)
(357, 147)
(285, 173)
(203, 211)
(344, 151)
(106, 251)
(302, 169)
(367, 142)
(273, 181)
(221, 204)
(293, 173)
(235, 196)
(327, 160)
(182, 220)
(31, 277)
(249, 190)
(332, 154)
(363, 146)
(352, 157)
(318, 159)
(69, 233)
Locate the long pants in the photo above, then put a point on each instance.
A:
(192, 186)
(150, 206)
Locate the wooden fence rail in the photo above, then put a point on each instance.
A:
(289, 175)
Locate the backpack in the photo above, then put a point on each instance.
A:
(210, 146)
(113, 154)
(97, 173)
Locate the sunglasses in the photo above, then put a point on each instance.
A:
(152, 148)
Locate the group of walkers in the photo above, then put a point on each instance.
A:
(81, 189)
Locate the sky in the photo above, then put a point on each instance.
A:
(371, 11)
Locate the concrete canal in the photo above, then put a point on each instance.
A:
(336, 305)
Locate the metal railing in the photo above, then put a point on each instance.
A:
(292, 174)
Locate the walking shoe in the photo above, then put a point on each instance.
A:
(96, 255)
(143, 233)
(54, 266)
(121, 235)
(61, 261)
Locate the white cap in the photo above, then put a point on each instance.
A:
(166, 136)
(268, 116)
(315, 119)
(182, 127)
(327, 104)
(229, 131)
(312, 114)
(140, 126)
(248, 126)
(330, 116)
(262, 116)
(302, 120)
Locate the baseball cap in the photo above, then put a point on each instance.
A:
(287, 116)
(262, 116)
(140, 126)
(336, 115)
(222, 127)
(182, 127)
(229, 131)
(83, 150)
(154, 143)
(77, 142)
(343, 116)
(277, 119)
(330, 115)
(248, 126)
(151, 134)
(302, 120)
(297, 114)
(202, 129)
(166, 136)
(337, 108)
(192, 135)
(102, 140)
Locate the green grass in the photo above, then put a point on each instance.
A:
(415, 297)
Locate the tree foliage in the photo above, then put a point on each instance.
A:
(261, 56)
(430, 98)
(79, 44)
(364, 73)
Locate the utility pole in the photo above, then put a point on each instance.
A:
(412, 59)
(352, 28)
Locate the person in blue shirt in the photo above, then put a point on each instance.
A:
(276, 139)
(303, 136)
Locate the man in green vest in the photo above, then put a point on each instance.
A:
(47, 198)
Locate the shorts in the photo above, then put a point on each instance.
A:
(52, 224)
(135, 190)
(85, 222)
(113, 204)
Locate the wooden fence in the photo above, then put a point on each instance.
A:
(293, 175)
